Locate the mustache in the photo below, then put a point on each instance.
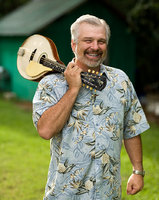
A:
(98, 51)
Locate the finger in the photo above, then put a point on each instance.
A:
(132, 190)
(72, 69)
(80, 70)
(76, 69)
(68, 68)
(129, 189)
(70, 65)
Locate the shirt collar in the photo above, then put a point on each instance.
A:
(103, 69)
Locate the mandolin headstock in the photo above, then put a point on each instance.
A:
(94, 80)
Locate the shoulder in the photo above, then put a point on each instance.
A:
(112, 71)
(52, 80)
(118, 79)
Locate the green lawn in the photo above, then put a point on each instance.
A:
(24, 158)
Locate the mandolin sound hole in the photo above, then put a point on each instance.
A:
(42, 58)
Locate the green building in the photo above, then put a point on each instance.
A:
(52, 18)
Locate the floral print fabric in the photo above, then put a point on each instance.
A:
(85, 155)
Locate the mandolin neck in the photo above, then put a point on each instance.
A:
(92, 80)
(54, 65)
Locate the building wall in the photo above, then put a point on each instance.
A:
(9, 46)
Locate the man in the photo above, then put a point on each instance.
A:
(86, 127)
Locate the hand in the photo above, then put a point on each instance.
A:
(72, 75)
(135, 184)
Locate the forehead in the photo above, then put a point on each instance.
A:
(94, 31)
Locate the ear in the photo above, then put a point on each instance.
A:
(73, 45)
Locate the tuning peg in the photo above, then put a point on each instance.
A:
(95, 90)
(87, 86)
(91, 88)
(89, 70)
(101, 74)
(83, 85)
(97, 73)
(93, 71)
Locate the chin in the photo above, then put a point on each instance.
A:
(90, 63)
(93, 64)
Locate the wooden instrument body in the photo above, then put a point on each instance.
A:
(33, 49)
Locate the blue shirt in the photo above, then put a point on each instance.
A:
(85, 155)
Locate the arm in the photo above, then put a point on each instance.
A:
(134, 149)
(53, 120)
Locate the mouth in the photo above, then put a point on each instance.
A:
(93, 55)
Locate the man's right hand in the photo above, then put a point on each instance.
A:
(73, 76)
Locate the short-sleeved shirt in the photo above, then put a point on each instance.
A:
(85, 155)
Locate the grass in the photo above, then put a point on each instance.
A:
(24, 158)
(151, 165)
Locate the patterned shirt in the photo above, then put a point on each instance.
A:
(85, 155)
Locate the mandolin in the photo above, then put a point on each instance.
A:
(38, 56)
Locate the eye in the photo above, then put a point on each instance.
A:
(101, 42)
(88, 41)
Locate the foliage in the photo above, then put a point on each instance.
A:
(124, 5)
(144, 16)
(143, 19)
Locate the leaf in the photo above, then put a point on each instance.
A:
(83, 191)
(91, 143)
(114, 138)
(105, 169)
(138, 109)
(66, 163)
(106, 177)
(120, 90)
(69, 168)
(57, 160)
(99, 153)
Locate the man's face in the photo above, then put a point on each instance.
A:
(90, 49)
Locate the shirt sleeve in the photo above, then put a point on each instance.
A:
(49, 91)
(135, 121)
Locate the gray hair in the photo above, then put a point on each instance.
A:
(90, 19)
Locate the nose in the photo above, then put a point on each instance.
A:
(94, 45)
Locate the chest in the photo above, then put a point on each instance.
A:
(99, 106)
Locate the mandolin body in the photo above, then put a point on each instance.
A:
(33, 49)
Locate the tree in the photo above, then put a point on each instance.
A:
(143, 20)
(143, 17)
